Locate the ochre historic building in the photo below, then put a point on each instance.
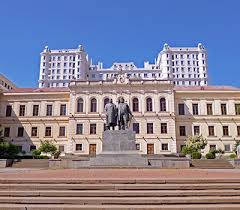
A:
(164, 115)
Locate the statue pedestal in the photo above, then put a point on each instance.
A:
(119, 149)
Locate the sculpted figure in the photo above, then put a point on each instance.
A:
(124, 114)
(111, 115)
(238, 151)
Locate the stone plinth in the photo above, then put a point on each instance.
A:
(118, 141)
(119, 149)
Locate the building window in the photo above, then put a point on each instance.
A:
(106, 101)
(6, 131)
(80, 105)
(211, 131)
(196, 130)
(32, 147)
(35, 110)
(164, 147)
(182, 130)
(93, 128)
(79, 129)
(22, 110)
(135, 105)
(212, 147)
(136, 127)
(8, 111)
(209, 109)
(227, 148)
(79, 147)
(63, 109)
(195, 109)
(149, 128)
(61, 148)
(49, 110)
(238, 130)
(163, 127)
(149, 105)
(20, 131)
(162, 105)
(224, 109)
(181, 110)
(93, 105)
(137, 146)
(225, 131)
(62, 131)
(34, 132)
(237, 109)
(48, 131)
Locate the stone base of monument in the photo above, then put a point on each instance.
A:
(119, 149)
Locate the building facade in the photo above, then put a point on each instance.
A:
(6, 84)
(182, 66)
(164, 115)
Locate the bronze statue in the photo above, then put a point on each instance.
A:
(124, 114)
(111, 115)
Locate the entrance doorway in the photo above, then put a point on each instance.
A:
(92, 149)
(150, 149)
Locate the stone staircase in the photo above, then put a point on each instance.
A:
(30, 163)
(212, 164)
(170, 194)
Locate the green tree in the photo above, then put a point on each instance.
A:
(196, 142)
(48, 147)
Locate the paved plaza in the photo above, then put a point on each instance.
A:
(118, 173)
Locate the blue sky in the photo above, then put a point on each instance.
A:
(126, 30)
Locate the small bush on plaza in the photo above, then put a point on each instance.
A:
(36, 152)
(196, 155)
(7, 150)
(196, 142)
(57, 154)
(193, 146)
(210, 155)
(232, 156)
(41, 157)
(48, 147)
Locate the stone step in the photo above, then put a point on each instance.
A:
(119, 181)
(30, 163)
(121, 200)
(118, 193)
(214, 164)
(200, 186)
(120, 207)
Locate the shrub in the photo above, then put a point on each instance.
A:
(57, 154)
(41, 157)
(232, 156)
(47, 147)
(36, 152)
(8, 150)
(210, 155)
(196, 155)
(186, 150)
(196, 142)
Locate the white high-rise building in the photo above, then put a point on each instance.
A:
(182, 66)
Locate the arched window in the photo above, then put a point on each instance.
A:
(162, 105)
(106, 100)
(93, 105)
(80, 105)
(149, 105)
(135, 105)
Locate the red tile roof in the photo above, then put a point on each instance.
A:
(207, 88)
(38, 90)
